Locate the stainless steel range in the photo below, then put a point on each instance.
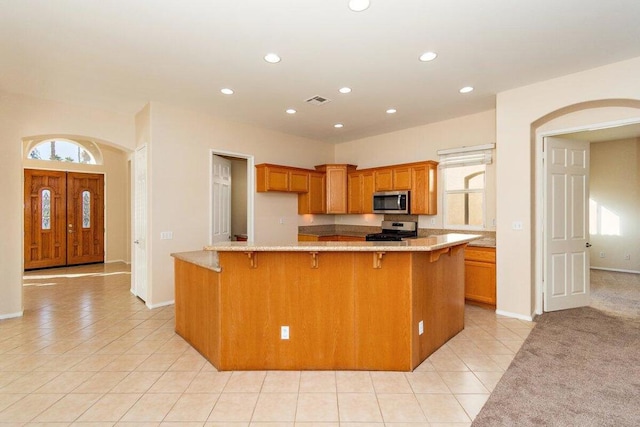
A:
(394, 231)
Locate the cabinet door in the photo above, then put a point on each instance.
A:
(314, 201)
(272, 178)
(367, 192)
(402, 178)
(336, 189)
(424, 190)
(307, 238)
(480, 275)
(383, 179)
(298, 181)
(354, 186)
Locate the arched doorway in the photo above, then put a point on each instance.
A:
(91, 157)
(591, 119)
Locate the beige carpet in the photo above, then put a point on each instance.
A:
(578, 367)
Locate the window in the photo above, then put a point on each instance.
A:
(463, 178)
(62, 150)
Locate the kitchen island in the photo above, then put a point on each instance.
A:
(321, 305)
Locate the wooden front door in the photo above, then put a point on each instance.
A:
(63, 218)
(85, 218)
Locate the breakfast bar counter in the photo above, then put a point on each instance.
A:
(321, 305)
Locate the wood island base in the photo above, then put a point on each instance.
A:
(345, 310)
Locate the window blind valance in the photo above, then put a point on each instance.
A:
(466, 156)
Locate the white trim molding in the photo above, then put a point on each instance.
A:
(514, 315)
(12, 315)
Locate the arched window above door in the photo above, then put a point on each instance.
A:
(65, 150)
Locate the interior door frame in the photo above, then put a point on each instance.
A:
(251, 186)
(541, 201)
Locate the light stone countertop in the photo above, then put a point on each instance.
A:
(422, 244)
(206, 259)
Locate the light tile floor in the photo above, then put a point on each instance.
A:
(87, 352)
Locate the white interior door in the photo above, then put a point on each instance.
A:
(140, 225)
(221, 203)
(566, 229)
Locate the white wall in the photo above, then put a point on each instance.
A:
(422, 143)
(180, 144)
(517, 265)
(615, 186)
(22, 117)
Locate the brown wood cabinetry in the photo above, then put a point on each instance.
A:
(393, 178)
(281, 178)
(419, 178)
(341, 189)
(383, 179)
(344, 309)
(336, 187)
(315, 200)
(330, 238)
(402, 178)
(424, 193)
(360, 186)
(480, 275)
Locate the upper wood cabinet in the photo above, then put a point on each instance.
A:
(336, 187)
(360, 186)
(393, 178)
(315, 200)
(424, 188)
(341, 189)
(281, 178)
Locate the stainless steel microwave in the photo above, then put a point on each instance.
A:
(391, 202)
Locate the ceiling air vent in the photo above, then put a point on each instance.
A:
(317, 100)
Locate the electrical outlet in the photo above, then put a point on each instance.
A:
(284, 332)
(420, 327)
(281, 220)
(627, 257)
(433, 221)
(602, 254)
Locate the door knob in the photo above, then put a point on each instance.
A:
(136, 242)
(588, 245)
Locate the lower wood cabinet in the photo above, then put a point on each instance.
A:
(480, 275)
(330, 238)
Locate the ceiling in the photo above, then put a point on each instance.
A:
(120, 54)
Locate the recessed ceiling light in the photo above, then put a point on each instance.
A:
(227, 91)
(428, 56)
(338, 125)
(291, 111)
(391, 111)
(272, 58)
(345, 90)
(466, 89)
(359, 5)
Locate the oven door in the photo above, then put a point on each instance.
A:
(391, 202)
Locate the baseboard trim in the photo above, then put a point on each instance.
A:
(12, 315)
(617, 270)
(514, 315)
(161, 304)
(112, 261)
